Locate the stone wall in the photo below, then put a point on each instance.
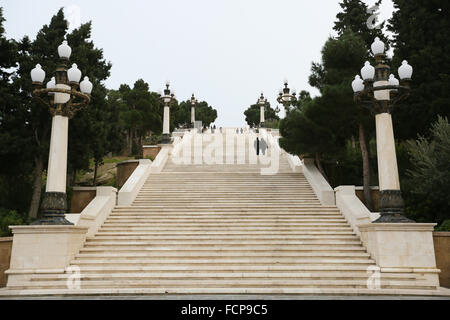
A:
(124, 171)
(442, 250)
(150, 151)
(5, 257)
(81, 196)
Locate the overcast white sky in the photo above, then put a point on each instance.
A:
(225, 51)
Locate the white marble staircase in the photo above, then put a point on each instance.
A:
(225, 229)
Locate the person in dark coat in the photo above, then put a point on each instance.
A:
(256, 145)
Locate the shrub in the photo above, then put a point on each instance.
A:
(8, 218)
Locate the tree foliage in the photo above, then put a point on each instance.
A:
(421, 37)
(429, 177)
(253, 114)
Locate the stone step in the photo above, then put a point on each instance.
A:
(246, 236)
(223, 207)
(231, 283)
(86, 276)
(236, 221)
(305, 269)
(223, 228)
(150, 240)
(238, 233)
(232, 200)
(213, 254)
(224, 212)
(225, 218)
(222, 260)
(303, 207)
(25, 291)
(222, 248)
(183, 195)
(207, 218)
(232, 225)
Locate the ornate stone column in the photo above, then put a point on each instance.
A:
(166, 124)
(261, 118)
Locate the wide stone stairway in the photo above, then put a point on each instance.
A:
(226, 229)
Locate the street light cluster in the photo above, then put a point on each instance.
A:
(379, 91)
(285, 97)
(73, 75)
(60, 95)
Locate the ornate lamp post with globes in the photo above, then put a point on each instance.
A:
(63, 99)
(285, 97)
(379, 91)
(262, 106)
(168, 98)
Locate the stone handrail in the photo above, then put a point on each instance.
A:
(97, 210)
(320, 186)
(294, 162)
(160, 160)
(351, 207)
(130, 189)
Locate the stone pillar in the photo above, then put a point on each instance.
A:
(166, 124)
(261, 121)
(192, 115)
(387, 160)
(57, 158)
(54, 202)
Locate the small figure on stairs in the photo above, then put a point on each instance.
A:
(256, 145)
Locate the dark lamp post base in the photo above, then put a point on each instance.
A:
(166, 138)
(391, 206)
(53, 208)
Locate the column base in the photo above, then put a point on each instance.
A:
(166, 138)
(53, 208)
(391, 206)
(261, 125)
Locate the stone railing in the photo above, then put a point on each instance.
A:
(294, 162)
(351, 207)
(130, 189)
(320, 186)
(96, 212)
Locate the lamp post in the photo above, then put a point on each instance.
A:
(379, 91)
(262, 105)
(285, 97)
(193, 104)
(63, 99)
(168, 98)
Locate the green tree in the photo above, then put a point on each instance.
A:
(140, 113)
(330, 120)
(421, 37)
(15, 162)
(353, 17)
(429, 177)
(253, 114)
(203, 112)
(89, 128)
(32, 120)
